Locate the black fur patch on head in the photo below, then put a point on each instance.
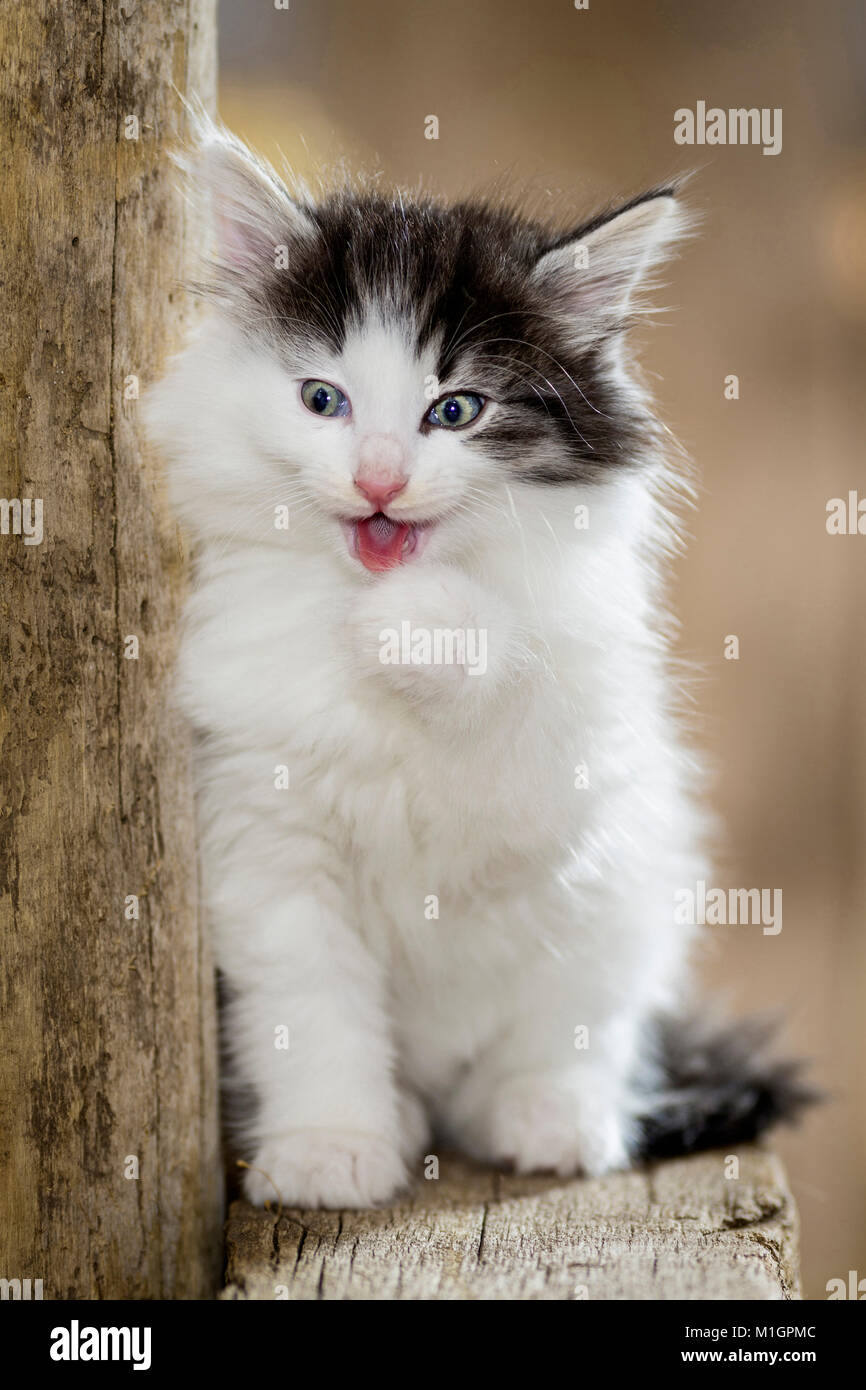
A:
(720, 1087)
(461, 276)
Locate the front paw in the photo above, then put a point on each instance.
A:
(324, 1168)
(552, 1122)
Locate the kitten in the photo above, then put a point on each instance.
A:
(430, 504)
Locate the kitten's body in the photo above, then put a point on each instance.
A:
(452, 926)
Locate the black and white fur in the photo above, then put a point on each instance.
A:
(461, 908)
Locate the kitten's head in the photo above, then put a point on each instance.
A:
(396, 363)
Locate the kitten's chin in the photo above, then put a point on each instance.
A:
(380, 542)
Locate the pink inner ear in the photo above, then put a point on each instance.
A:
(241, 245)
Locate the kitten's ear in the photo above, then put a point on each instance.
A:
(254, 215)
(593, 277)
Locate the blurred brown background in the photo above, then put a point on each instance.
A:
(578, 105)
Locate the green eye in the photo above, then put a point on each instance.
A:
(324, 399)
(453, 412)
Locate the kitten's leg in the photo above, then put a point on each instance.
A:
(306, 1029)
(531, 1098)
(533, 1101)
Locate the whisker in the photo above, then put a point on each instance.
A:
(476, 327)
(494, 357)
(533, 347)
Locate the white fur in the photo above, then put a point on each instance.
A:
(555, 902)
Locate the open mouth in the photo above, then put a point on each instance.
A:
(381, 543)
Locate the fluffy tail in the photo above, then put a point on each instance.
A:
(718, 1087)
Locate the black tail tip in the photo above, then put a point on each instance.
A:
(721, 1088)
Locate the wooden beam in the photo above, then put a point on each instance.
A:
(680, 1229)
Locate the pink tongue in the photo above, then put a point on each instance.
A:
(381, 541)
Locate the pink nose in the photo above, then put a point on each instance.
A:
(381, 472)
(380, 489)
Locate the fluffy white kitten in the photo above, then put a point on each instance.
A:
(402, 420)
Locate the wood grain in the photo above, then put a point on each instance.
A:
(676, 1230)
(107, 1023)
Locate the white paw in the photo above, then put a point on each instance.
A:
(324, 1168)
(555, 1123)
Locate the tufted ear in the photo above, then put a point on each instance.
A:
(591, 277)
(256, 220)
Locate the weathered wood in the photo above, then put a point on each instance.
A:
(676, 1230)
(106, 1022)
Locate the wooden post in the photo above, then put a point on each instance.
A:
(109, 1169)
